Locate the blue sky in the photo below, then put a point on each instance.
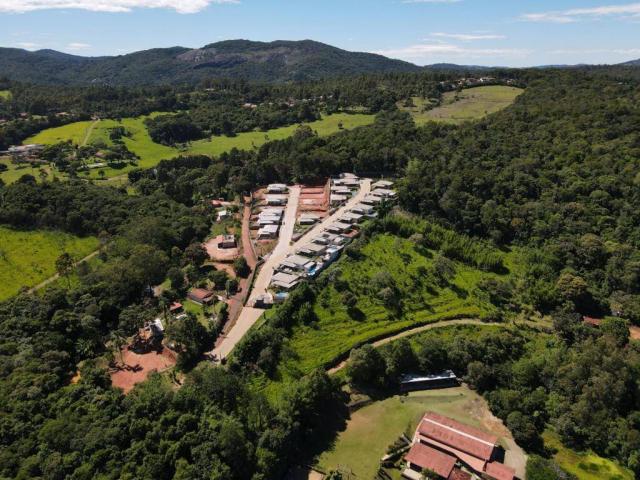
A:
(483, 32)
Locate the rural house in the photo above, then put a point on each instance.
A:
(201, 296)
(474, 449)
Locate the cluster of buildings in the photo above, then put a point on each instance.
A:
(271, 215)
(25, 153)
(325, 247)
(470, 82)
(454, 451)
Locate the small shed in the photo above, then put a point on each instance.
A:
(412, 383)
(227, 241)
(277, 188)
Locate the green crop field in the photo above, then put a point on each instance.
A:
(151, 153)
(28, 258)
(587, 465)
(459, 107)
(371, 429)
(336, 331)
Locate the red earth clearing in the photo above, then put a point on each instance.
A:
(137, 367)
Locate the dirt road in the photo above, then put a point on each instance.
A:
(57, 276)
(414, 331)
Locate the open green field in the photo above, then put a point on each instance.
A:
(151, 153)
(587, 465)
(459, 107)
(5, 94)
(28, 258)
(371, 429)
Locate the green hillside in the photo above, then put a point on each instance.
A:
(260, 61)
(151, 153)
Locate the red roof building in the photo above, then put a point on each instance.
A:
(421, 457)
(464, 438)
(475, 449)
(200, 295)
(458, 474)
(500, 471)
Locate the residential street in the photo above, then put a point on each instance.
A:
(249, 315)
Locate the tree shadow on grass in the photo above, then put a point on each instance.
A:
(460, 292)
(325, 435)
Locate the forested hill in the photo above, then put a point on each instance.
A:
(258, 61)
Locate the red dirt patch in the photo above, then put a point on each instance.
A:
(635, 333)
(137, 367)
(314, 198)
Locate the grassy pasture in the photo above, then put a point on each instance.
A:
(151, 153)
(587, 465)
(5, 94)
(28, 258)
(14, 172)
(469, 104)
(371, 429)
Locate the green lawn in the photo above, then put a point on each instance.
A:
(14, 172)
(151, 153)
(459, 107)
(28, 258)
(5, 94)
(373, 428)
(587, 465)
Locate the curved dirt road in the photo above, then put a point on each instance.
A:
(420, 329)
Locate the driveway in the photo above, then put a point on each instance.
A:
(250, 315)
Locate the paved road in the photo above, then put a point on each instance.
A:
(282, 248)
(249, 315)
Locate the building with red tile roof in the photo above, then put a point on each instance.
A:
(500, 471)
(458, 474)
(469, 448)
(461, 437)
(422, 457)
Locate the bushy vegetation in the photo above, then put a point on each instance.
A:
(531, 381)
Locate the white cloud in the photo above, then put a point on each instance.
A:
(114, 6)
(631, 10)
(28, 45)
(468, 37)
(428, 51)
(78, 46)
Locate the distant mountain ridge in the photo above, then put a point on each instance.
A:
(633, 63)
(259, 61)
